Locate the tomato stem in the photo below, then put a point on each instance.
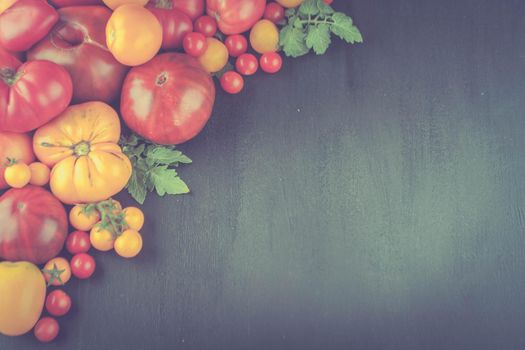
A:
(164, 4)
(10, 76)
(82, 148)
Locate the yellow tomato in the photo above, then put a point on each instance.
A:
(133, 35)
(39, 174)
(128, 244)
(23, 292)
(17, 175)
(264, 36)
(101, 239)
(5, 4)
(81, 220)
(82, 147)
(289, 3)
(57, 271)
(134, 218)
(215, 57)
(113, 4)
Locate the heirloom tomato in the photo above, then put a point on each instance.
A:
(14, 147)
(175, 25)
(235, 16)
(192, 8)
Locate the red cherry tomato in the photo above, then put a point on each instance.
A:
(274, 12)
(78, 242)
(194, 44)
(232, 82)
(246, 64)
(271, 62)
(46, 329)
(328, 2)
(206, 25)
(83, 266)
(236, 45)
(58, 303)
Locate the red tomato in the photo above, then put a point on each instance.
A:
(195, 44)
(169, 99)
(206, 25)
(274, 12)
(25, 23)
(235, 16)
(192, 8)
(33, 225)
(328, 2)
(83, 265)
(271, 62)
(17, 147)
(46, 329)
(247, 64)
(32, 94)
(236, 44)
(232, 82)
(175, 26)
(64, 3)
(78, 242)
(58, 303)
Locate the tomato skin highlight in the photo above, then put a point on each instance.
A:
(78, 242)
(83, 266)
(247, 64)
(271, 62)
(232, 82)
(58, 303)
(46, 329)
(236, 44)
(194, 44)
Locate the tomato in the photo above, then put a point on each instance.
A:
(81, 146)
(17, 175)
(192, 8)
(39, 174)
(232, 82)
(83, 265)
(82, 220)
(290, 3)
(33, 226)
(78, 242)
(46, 329)
(328, 2)
(128, 244)
(25, 23)
(236, 45)
(113, 4)
(175, 26)
(235, 16)
(14, 147)
(195, 44)
(215, 57)
(64, 3)
(134, 218)
(264, 36)
(274, 12)
(133, 35)
(169, 99)
(247, 64)
(58, 303)
(57, 272)
(206, 25)
(23, 291)
(78, 43)
(271, 62)
(32, 94)
(101, 239)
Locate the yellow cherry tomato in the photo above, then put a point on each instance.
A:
(134, 218)
(101, 239)
(289, 3)
(264, 36)
(215, 57)
(57, 271)
(128, 244)
(17, 175)
(39, 174)
(81, 220)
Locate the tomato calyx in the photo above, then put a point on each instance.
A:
(111, 216)
(164, 4)
(54, 274)
(10, 76)
(82, 148)
(162, 78)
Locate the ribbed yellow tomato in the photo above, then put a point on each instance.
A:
(23, 292)
(82, 147)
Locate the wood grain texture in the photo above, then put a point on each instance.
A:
(372, 198)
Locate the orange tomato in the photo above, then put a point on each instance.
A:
(81, 220)
(57, 271)
(128, 244)
(289, 3)
(101, 239)
(39, 174)
(5, 4)
(215, 57)
(264, 36)
(113, 4)
(134, 218)
(133, 35)
(17, 175)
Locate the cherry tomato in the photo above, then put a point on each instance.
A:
(274, 12)
(83, 265)
(78, 242)
(215, 57)
(17, 175)
(128, 244)
(232, 82)
(101, 238)
(57, 272)
(58, 303)
(46, 329)
(206, 25)
(39, 174)
(328, 2)
(271, 62)
(81, 220)
(236, 45)
(264, 36)
(134, 218)
(194, 44)
(247, 64)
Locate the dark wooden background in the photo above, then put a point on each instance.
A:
(372, 198)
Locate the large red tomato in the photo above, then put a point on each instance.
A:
(26, 22)
(235, 16)
(64, 3)
(175, 26)
(192, 8)
(33, 225)
(31, 94)
(14, 147)
(169, 99)
(78, 43)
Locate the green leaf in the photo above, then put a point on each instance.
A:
(137, 186)
(318, 38)
(289, 12)
(167, 181)
(309, 8)
(167, 156)
(343, 27)
(292, 41)
(324, 8)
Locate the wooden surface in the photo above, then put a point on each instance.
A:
(372, 198)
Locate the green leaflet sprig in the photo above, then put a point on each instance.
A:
(310, 27)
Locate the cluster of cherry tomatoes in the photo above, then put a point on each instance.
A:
(19, 174)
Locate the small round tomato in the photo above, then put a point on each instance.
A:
(82, 220)
(101, 239)
(215, 57)
(83, 265)
(290, 3)
(46, 329)
(328, 2)
(58, 303)
(57, 272)
(206, 25)
(128, 244)
(274, 12)
(78, 242)
(264, 36)
(247, 64)
(236, 45)
(17, 175)
(134, 218)
(271, 62)
(39, 174)
(194, 44)
(232, 82)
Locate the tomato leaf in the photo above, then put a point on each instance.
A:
(324, 8)
(318, 38)
(293, 42)
(343, 27)
(309, 8)
(167, 181)
(165, 155)
(137, 186)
